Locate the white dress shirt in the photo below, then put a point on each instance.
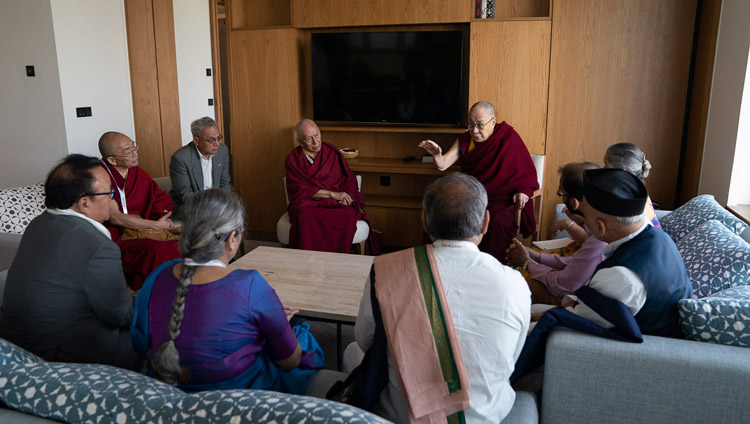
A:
(490, 306)
(207, 168)
(616, 282)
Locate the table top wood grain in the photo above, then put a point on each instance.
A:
(321, 285)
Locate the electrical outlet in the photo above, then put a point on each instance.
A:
(208, 72)
(30, 71)
(210, 102)
(82, 112)
(385, 180)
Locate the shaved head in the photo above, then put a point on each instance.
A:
(484, 107)
(108, 143)
(302, 125)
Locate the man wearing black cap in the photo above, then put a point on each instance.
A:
(643, 269)
(635, 290)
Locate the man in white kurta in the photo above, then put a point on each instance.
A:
(489, 303)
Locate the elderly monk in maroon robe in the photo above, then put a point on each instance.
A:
(324, 201)
(495, 155)
(140, 203)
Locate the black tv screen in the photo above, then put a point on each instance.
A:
(410, 77)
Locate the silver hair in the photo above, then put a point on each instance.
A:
(487, 106)
(454, 207)
(196, 127)
(628, 157)
(209, 218)
(630, 220)
(298, 127)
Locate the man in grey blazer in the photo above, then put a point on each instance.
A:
(200, 164)
(65, 298)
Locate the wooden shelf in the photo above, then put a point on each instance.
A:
(522, 18)
(393, 201)
(254, 28)
(375, 128)
(395, 166)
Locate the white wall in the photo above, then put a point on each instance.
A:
(730, 67)
(739, 186)
(32, 138)
(192, 32)
(92, 54)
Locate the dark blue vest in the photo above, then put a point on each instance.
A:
(653, 256)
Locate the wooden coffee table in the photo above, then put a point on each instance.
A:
(323, 286)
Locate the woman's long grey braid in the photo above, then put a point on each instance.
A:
(209, 218)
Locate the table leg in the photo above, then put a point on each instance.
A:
(339, 348)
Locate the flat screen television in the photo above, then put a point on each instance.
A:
(413, 77)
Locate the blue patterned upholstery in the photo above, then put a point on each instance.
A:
(12, 354)
(692, 214)
(723, 318)
(715, 258)
(85, 393)
(102, 393)
(741, 293)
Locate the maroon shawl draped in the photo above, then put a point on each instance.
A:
(321, 224)
(503, 164)
(144, 198)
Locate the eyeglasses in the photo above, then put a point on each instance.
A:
(212, 140)
(130, 151)
(110, 193)
(561, 194)
(480, 126)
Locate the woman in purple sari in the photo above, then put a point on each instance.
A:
(204, 327)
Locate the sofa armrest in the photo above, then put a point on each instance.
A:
(589, 379)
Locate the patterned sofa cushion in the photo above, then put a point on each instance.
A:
(715, 258)
(723, 318)
(85, 393)
(698, 210)
(18, 206)
(12, 354)
(101, 393)
(259, 406)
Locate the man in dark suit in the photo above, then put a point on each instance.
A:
(200, 164)
(65, 297)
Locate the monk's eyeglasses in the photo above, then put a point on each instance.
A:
(130, 151)
(479, 125)
(212, 140)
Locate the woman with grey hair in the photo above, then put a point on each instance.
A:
(204, 327)
(629, 157)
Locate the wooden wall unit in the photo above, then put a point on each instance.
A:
(618, 72)
(265, 104)
(260, 13)
(153, 76)
(347, 13)
(573, 77)
(522, 8)
(509, 67)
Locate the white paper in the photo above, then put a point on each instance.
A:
(553, 244)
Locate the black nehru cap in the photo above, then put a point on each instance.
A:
(614, 192)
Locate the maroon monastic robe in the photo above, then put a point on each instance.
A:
(144, 198)
(503, 164)
(321, 224)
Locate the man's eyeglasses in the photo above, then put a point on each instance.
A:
(212, 140)
(110, 193)
(479, 125)
(561, 194)
(130, 151)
